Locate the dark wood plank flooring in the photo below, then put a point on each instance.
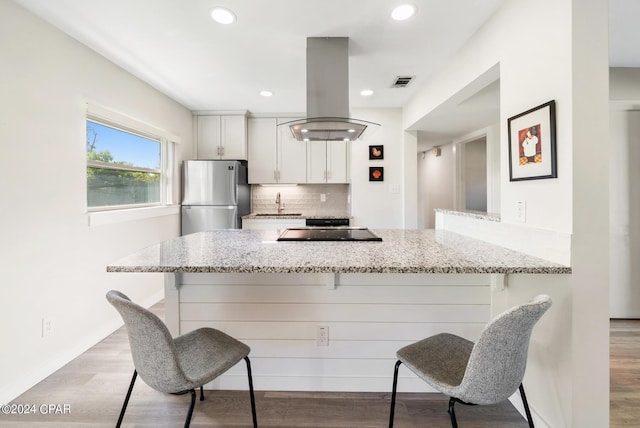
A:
(624, 366)
(94, 385)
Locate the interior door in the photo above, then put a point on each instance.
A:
(475, 175)
(624, 291)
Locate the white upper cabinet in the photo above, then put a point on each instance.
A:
(327, 162)
(292, 156)
(274, 155)
(262, 162)
(222, 136)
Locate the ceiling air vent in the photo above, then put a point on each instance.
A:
(402, 81)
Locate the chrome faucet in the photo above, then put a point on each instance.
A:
(279, 203)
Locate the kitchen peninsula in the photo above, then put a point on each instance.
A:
(372, 298)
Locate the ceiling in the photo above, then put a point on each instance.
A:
(177, 48)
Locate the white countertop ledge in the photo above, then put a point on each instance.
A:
(401, 251)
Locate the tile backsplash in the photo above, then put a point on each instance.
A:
(304, 198)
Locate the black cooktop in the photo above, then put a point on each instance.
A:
(328, 234)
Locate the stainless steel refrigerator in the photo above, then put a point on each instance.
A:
(215, 195)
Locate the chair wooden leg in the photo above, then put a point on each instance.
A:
(253, 400)
(187, 422)
(526, 406)
(126, 399)
(393, 393)
(452, 413)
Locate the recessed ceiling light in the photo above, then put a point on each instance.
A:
(404, 11)
(222, 15)
(266, 93)
(351, 131)
(366, 92)
(304, 130)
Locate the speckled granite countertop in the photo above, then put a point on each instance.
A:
(481, 215)
(401, 251)
(291, 216)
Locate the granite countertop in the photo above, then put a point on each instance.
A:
(401, 251)
(481, 215)
(292, 216)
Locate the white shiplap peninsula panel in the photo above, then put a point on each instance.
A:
(375, 297)
(370, 316)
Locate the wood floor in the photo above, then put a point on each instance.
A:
(94, 385)
(624, 404)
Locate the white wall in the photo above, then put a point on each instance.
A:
(379, 204)
(521, 88)
(435, 184)
(567, 61)
(53, 263)
(440, 178)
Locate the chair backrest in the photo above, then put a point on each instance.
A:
(499, 358)
(152, 348)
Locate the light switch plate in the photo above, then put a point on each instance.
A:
(521, 211)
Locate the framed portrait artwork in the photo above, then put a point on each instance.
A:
(376, 152)
(532, 143)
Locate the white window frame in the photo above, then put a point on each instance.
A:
(167, 204)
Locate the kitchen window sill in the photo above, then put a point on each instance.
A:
(101, 218)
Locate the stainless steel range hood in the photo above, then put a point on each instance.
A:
(328, 94)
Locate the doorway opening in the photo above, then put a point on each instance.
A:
(474, 175)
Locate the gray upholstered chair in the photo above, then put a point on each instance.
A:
(177, 366)
(486, 372)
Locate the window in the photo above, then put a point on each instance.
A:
(127, 166)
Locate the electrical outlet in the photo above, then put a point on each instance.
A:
(47, 326)
(323, 197)
(322, 336)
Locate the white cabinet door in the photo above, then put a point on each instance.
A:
(233, 137)
(292, 156)
(208, 137)
(337, 161)
(262, 150)
(222, 137)
(327, 162)
(317, 162)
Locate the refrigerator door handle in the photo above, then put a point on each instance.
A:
(233, 185)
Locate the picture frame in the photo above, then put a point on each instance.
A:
(376, 173)
(376, 152)
(532, 143)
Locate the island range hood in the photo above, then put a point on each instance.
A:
(328, 94)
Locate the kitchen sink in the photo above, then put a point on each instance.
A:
(279, 215)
